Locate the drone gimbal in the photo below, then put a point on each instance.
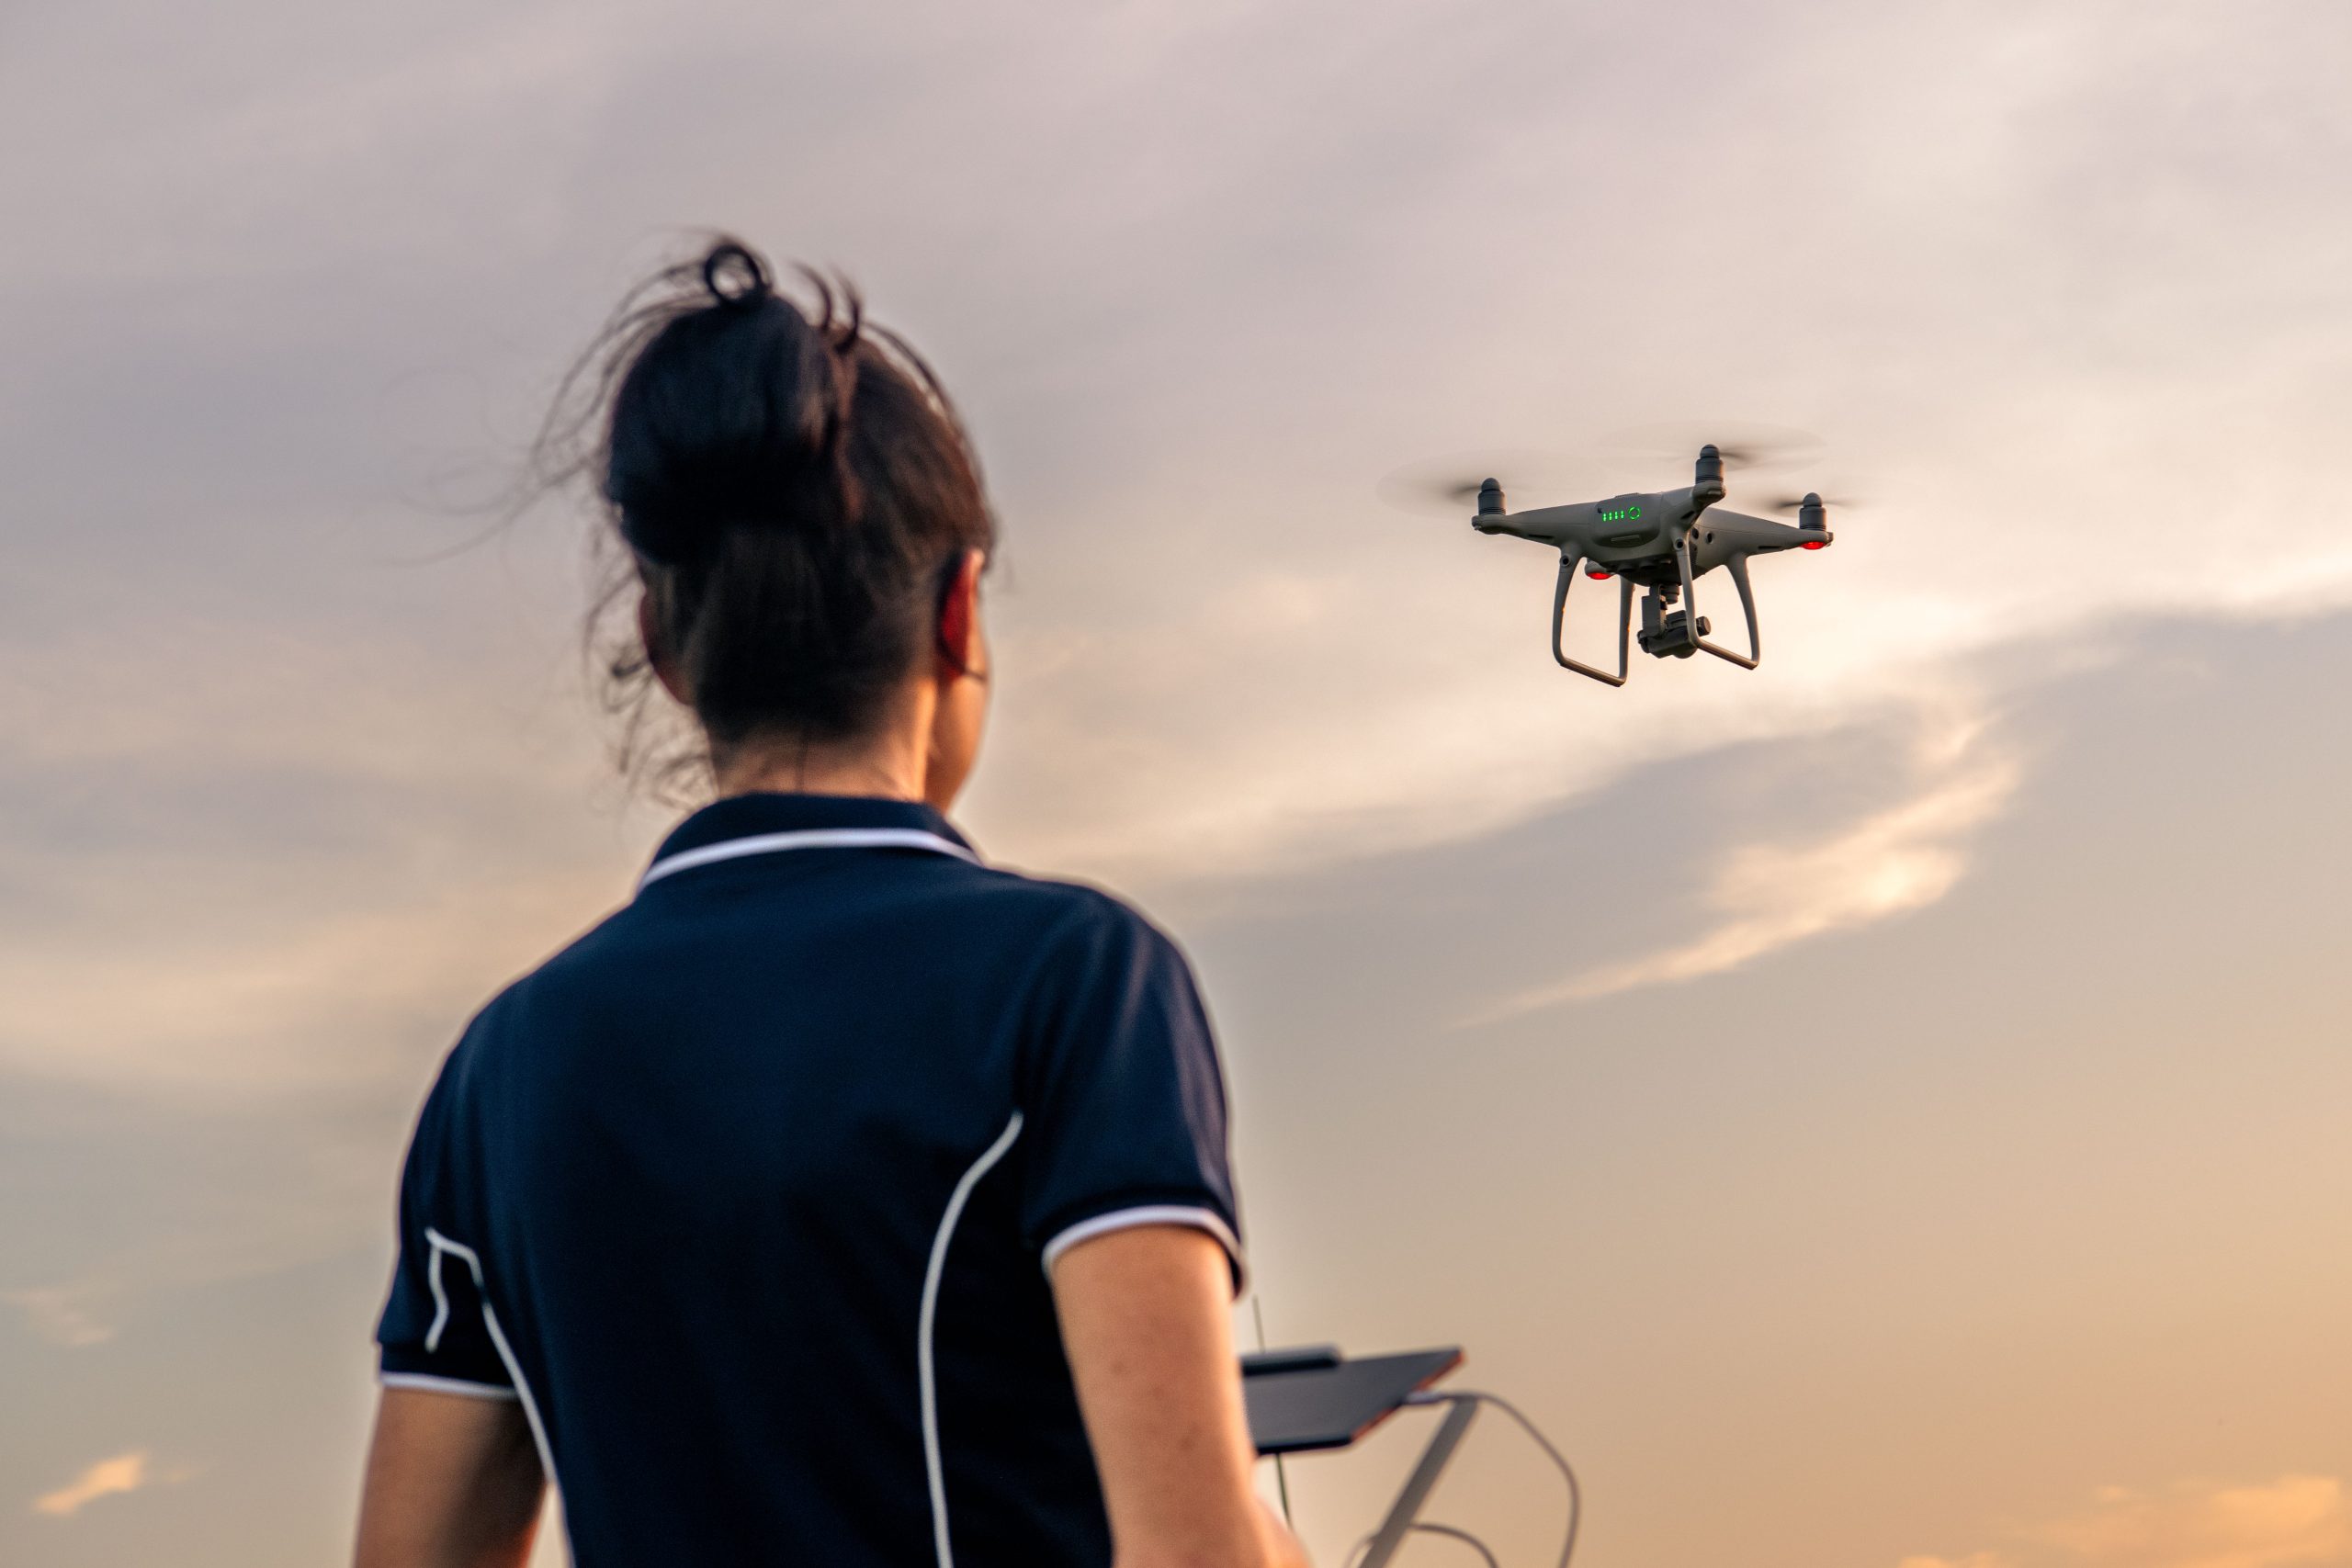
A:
(1664, 542)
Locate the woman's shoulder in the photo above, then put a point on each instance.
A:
(1075, 910)
(1043, 925)
(1074, 936)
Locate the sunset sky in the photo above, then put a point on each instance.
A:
(1886, 1110)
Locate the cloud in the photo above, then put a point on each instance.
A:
(263, 884)
(360, 995)
(2294, 1521)
(2030, 360)
(1771, 895)
(124, 1473)
(167, 1197)
(63, 1314)
(2039, 466)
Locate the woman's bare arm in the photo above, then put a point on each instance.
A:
(453, 1481)
(1146, 1318)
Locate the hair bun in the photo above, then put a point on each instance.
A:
(736, 276)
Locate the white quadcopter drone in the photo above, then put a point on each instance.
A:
(1664, 541)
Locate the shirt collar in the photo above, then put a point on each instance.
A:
(754, 824)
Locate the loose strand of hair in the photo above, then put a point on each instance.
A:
(841, 327)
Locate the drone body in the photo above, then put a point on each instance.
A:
(1663, 541)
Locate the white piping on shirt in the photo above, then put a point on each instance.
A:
(440, 1301)
(926, 1373)
(808, 838)
(441, 1244)
(445, 1385)
(1208, 1220)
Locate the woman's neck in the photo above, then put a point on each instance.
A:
(892, 762)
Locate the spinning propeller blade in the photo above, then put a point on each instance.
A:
(1796, 502)
(1448, 487)
(1744, 444)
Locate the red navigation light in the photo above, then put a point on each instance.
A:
(1598, 573)
(1816, 544)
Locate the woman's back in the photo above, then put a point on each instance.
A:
(758, 1177)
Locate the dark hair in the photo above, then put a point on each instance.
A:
(794, 490)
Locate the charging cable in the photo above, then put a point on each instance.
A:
(1426, 1527)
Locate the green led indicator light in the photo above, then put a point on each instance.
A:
(1621, 515)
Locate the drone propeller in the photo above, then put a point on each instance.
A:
(1796, 502)
(1457, 491)
(1743, 444)
(1448, 487)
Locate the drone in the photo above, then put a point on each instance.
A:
(1664, 541)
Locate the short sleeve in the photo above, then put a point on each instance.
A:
(1123, 1102)
(435, 1330)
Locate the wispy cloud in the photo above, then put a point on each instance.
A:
(123, 1473)
(2296, 1520)
(1771, 895)
(1300, 676)
(63, 1314)
(212, 894)
(181, 1205)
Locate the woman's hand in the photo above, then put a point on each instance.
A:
(1146, 1323)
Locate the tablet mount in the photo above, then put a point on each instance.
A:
(1311, 1398)
(1405, 1510)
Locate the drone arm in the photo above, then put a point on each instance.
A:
(1570, 558)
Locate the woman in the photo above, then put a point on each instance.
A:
(841, 1201)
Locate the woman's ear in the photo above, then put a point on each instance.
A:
(665, 668)
(962, 650)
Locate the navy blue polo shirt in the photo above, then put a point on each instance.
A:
(750, 1195)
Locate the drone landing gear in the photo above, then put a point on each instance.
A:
(1678, 634)
(1666, 634)
(1737, 566)
(1568, 564)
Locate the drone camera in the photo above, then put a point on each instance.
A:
(1669, 633)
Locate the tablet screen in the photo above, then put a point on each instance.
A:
(1294, 1409)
